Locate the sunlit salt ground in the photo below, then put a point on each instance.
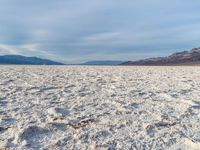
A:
(85, 107)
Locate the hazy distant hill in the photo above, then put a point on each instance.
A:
(107, 62)
(17, 59)
(191, 57)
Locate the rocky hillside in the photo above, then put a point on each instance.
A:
(191, 57)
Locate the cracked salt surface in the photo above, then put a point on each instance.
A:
(91, 107)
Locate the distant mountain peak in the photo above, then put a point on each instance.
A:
(103, 62)
(23, 60)
(196, 49)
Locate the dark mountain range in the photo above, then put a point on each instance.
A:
(107, 62)
(22, 60)
(191, 57)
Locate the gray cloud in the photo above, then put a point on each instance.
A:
(81, 30)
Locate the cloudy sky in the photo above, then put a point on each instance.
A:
(74, 31)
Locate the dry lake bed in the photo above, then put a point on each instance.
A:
(99, 107)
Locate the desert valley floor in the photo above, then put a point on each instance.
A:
(99, 107)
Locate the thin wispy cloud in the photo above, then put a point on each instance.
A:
(81, 30)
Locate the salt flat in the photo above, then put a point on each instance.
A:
(96, 107)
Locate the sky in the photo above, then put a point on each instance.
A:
(75, 31)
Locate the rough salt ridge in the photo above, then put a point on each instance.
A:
(83, 107)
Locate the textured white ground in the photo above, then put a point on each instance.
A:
(82, 107)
